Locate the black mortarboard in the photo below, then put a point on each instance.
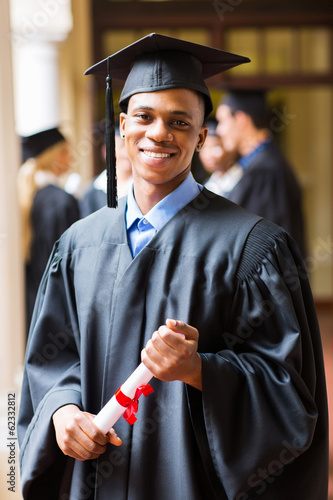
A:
(34, 145)
(157, 62)
(251, 102)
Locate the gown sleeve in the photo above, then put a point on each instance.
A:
(51, 378)
(259, 393)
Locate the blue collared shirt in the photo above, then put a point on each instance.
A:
(141, 228)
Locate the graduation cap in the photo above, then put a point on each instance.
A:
(157, 62)
(34, 145)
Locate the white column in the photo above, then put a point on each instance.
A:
(36, 87)
(11, 269)
(38, 26)
(12, 332)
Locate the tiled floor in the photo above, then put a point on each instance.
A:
(326, 326)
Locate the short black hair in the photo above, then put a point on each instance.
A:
(251, 102)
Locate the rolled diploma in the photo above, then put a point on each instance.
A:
(112, 411)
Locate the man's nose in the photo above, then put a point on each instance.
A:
(159, 131)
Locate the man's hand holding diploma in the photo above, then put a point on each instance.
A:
(77, 435)
(171, 354)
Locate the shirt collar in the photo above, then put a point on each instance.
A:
(165, 209)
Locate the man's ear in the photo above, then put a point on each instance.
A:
(122, 122)
(202, 136)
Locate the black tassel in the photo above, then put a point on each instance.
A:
(110, 145)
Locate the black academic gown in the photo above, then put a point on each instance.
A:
(92, 200)
(53, 211)
(258, 430)
(270, 189)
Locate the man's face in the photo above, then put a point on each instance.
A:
(211, 155)
(228, 128)
(214, 157)
(162, 129)
(62, 159)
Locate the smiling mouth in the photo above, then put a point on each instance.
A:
(152, 154)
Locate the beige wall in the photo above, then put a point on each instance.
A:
(308, 144)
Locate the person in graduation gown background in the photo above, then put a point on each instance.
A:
(46, 209)
(239, 409)
(95, 196)
(221, 165)
(268, 187)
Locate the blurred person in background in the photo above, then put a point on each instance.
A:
(47, 210)
(94, 197)
(268, 186)
(221, 165)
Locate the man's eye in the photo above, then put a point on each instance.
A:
(180, 122)
(143, 117)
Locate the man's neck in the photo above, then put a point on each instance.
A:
(253, 140)
(147, 195)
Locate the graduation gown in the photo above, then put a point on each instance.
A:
(93, 200)
(258, 429)
(53, 211)
(270, 189)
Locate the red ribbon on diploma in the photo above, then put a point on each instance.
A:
(132, 405)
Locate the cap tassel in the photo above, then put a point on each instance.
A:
(110, 144)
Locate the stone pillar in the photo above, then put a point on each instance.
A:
(12, 329)
(38, 27)
(36, 87)
(11, 269)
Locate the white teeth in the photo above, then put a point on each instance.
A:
(156, 155)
